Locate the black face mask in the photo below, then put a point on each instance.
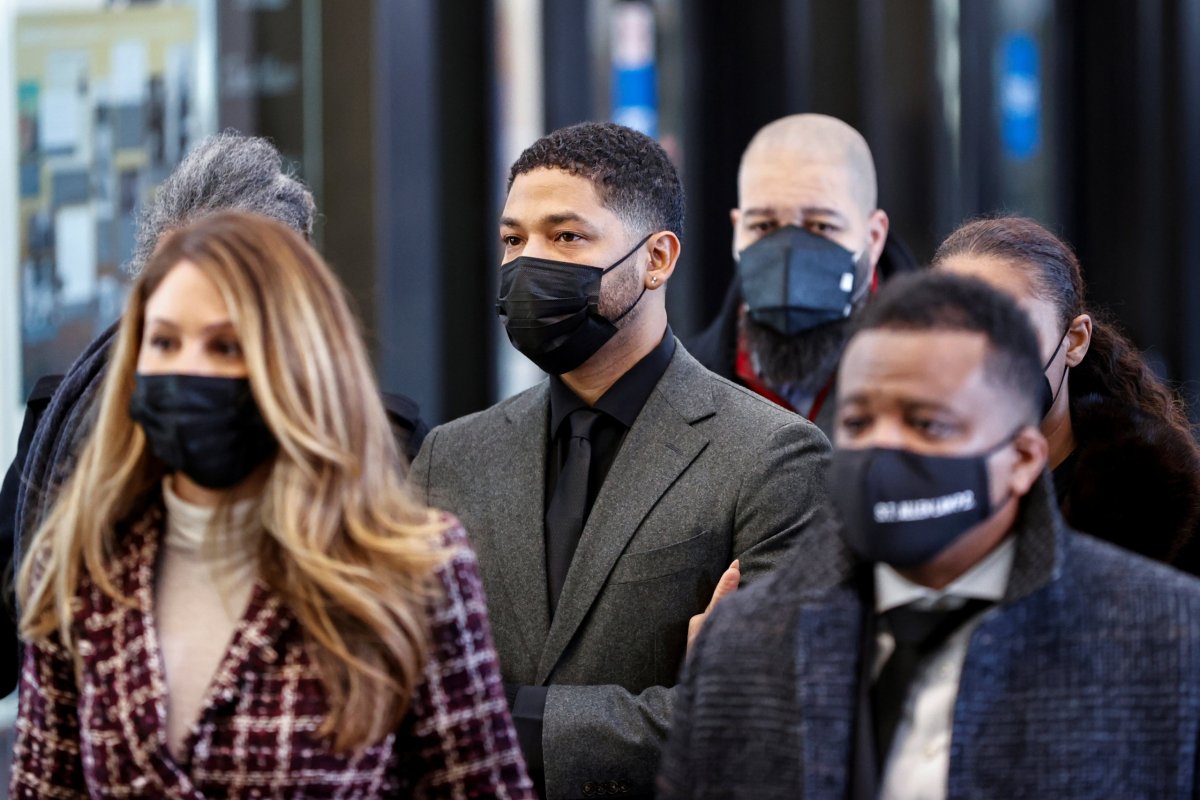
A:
(210, 429)
(904, 508)
(1050, 394)
(793, 281)
(551, 310)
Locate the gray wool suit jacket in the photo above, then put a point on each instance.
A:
(709, 472)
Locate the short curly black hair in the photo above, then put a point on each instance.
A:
(631, 172)
(943, 301)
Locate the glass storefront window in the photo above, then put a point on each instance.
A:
(108, 102)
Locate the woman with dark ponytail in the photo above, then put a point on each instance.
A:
(1125, 459)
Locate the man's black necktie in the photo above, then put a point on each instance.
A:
(918, 634)
(567, 510)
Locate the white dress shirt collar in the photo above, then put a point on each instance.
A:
(987, 580)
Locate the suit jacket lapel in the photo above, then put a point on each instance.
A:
(521, 555)
(661, 444)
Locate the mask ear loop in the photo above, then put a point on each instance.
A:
(614, 266)
(1062, 340)
(621, 260)
(631, 306)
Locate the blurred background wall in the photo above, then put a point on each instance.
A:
(403, 115)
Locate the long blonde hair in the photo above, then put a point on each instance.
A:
(347, 550)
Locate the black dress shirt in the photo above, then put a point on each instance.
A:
(620, 407)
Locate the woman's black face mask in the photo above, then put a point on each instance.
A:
(551, 310)
(208, 428)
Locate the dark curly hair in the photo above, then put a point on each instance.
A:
(942, 301)
(631, 172)
(1113, 369)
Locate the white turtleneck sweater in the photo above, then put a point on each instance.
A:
(200, 597)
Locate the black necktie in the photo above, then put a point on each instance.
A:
(917, 635)
(567, 510)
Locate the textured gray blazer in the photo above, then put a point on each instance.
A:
(1084, 682)
(709, 472)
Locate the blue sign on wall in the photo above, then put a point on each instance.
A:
(634, 75)
(1020, 96)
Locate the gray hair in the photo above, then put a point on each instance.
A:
(224, 172)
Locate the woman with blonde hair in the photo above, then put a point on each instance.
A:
(234, 594)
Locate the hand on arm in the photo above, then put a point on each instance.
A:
(727, 585)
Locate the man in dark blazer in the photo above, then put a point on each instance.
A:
(606, 502)
(807, 211)
(955, 640)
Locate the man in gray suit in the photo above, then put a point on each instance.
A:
(606, 502)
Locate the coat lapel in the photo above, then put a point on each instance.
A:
(1041, 534)
(521, 556)
(658, 448)
(254, 647)
(133, 573)
(827, 657)
(142, 703)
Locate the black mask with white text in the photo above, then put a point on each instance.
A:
(208, 428)
(551, 310)
(904, 508)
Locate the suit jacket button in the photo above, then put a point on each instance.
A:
(613, 787)
(589, 789)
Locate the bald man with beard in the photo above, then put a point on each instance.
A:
(810, 246)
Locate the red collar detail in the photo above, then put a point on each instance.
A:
(745, 374)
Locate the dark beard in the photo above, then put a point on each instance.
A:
(805, 360)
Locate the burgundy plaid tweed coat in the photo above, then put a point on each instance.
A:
(101, 733)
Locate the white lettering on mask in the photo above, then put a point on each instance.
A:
(923, 509)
